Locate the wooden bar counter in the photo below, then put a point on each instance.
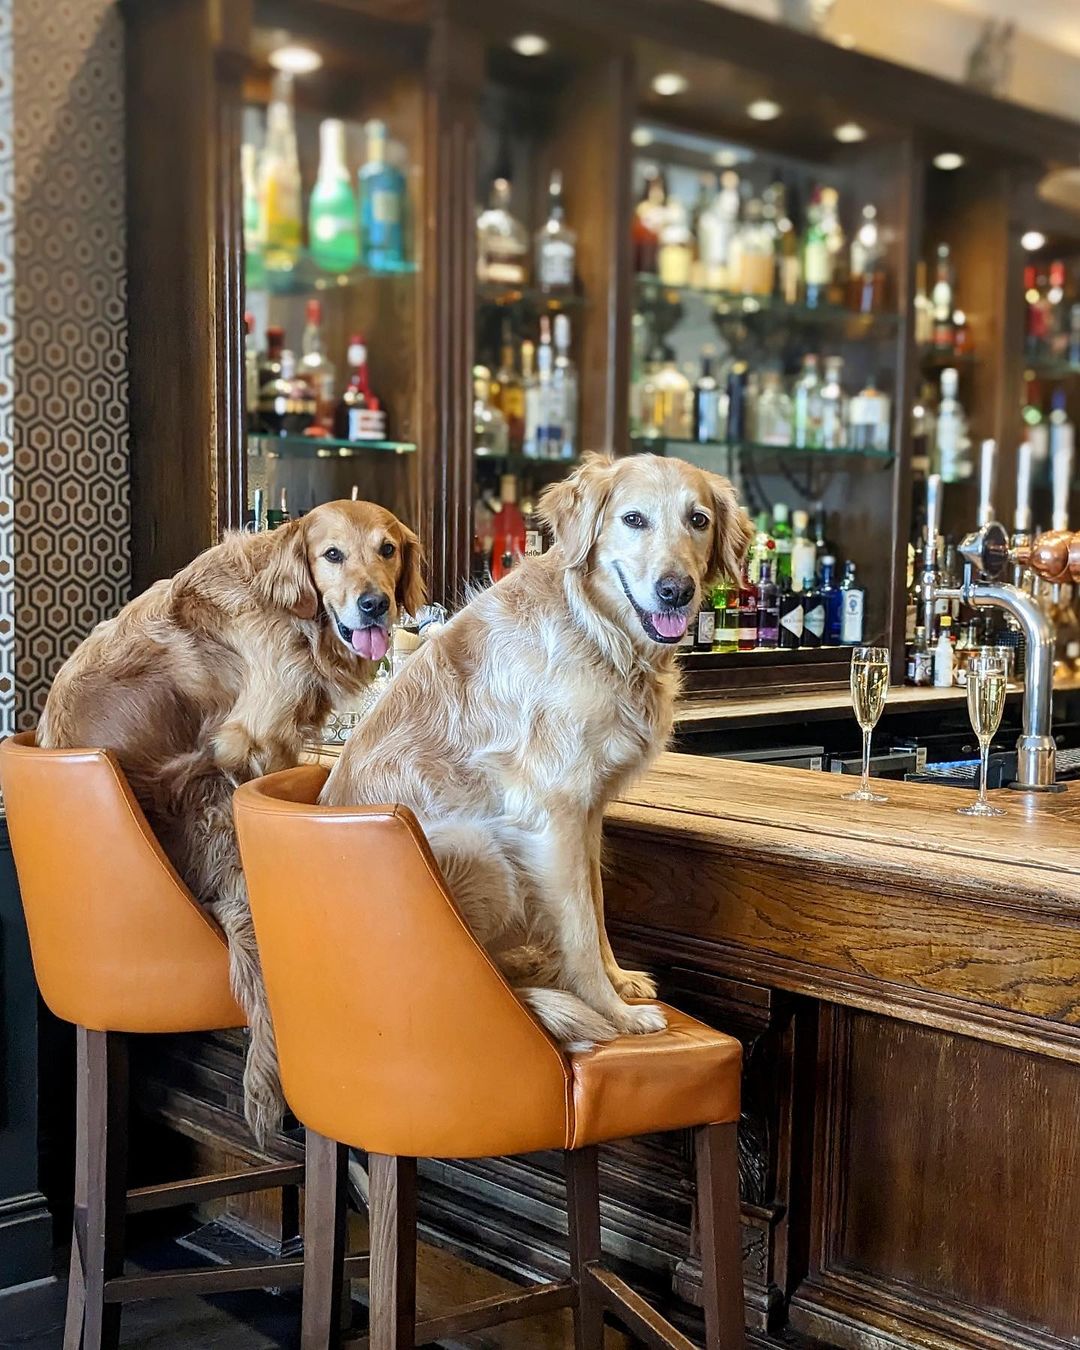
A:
(906, 982)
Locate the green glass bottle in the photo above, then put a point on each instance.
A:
(333, 222)
(725, 599)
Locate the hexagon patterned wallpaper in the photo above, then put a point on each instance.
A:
(71, 503)
(7, 388)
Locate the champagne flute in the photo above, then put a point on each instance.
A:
(986, 701)
(869, 686)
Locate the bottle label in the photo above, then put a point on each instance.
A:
(816, 263)
(557, 264)
(814, 620)
(794, 621)
(534, 543)
(706, 627)
(366, 424)
(851, 617)
(385, 207)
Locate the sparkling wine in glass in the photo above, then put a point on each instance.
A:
(986, 682)
(869, 686)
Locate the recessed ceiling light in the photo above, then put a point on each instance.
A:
(764, 110)
(530, 44)
(726, 159)
(1033, 240)
(641, 136)
(669, 83)
(295, 60)
(948, 160)
(849, 133)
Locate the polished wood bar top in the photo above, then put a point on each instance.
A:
(1028, 858)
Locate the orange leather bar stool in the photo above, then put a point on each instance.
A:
(397, 1034)
(119, 946)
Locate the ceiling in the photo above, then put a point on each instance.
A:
(1056, 22)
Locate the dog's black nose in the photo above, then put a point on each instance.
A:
(373, 604)
(675, 590)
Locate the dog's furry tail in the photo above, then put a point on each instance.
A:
(571, 1021)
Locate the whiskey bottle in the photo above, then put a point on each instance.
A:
(270, 360)
(359, 416)
(502, 246)
(286, 404)
(511, 395)
(556, 245)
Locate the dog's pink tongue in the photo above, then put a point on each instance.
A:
(669, 625)
(370, 642)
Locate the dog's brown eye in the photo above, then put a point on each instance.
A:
(334, 555)
(634, 520)
(699, 520)
(388, 550)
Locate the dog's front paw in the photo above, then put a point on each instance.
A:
(638, 1019)
(633, 983)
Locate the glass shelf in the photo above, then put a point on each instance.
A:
(660, 444)
(1049, 369)
(308, 279)
(321, 447)
(733, 307)
(518, 462)
(930, 358)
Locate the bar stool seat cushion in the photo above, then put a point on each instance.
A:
(664, 1080)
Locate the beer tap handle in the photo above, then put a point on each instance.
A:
(987, 465)
(933, 519)
(1061, 469)
(1022, 516)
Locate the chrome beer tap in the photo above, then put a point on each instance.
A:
(986, 553)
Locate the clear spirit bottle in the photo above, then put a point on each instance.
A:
(807, 406)
(489, 425)
(502, 245)
(556, 245)
(775, 412)
(833, 421)
(565, 393)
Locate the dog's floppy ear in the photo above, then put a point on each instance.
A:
(285, 580)
(573, 510)
(410, 593)
(733, 531)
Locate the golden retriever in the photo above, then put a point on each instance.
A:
(510, 730)
(218, 675)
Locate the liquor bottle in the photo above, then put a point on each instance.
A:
(254, 240)
(382, 203)
(530, 385)
(737, 403)
(748, 613)
(648, 218)
(920, 666)
(490, 435)
(784, 541)
(815, 616)
(251, 373)
(511, 396)
(953, 460)
(853, 608)
(821, 540)
(674, 402)
(286, 405)
(508, 528)
(502, 245)
(675, 252)
(564, 384)
(833, 419)
(868, 418)
(774, 412)
(923, 431)
(768, 608)
(705, 626)
(963, 342)
(789, 274)
(556, 245)
(1072, 349)
(545, 440)
(1056, 327)
(535, 539)
(924, 309)
(834, 601)
(943, 654)
(757, 253)
(316, 368)
(816, 259)
(806, 430)
(333, 224)
(726, 605)
(941, 301)
(836, 243)
(359, 415)
(716, 228)
(866, 291)
(762, 547)
(279, 182)
(803, 553)
(792, 619)
(278, 515)
(709, 418)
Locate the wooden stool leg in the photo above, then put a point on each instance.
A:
(105, 1057)
(583, 1217)
(76, 1293)
(392, 1242)
(717, 1157)
(324, 1242)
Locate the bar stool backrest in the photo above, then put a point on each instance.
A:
(395, 1031)
(118, 941)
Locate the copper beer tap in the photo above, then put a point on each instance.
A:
(1053, 555)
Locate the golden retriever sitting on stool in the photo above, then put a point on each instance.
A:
(510, 731)
(219, 675)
